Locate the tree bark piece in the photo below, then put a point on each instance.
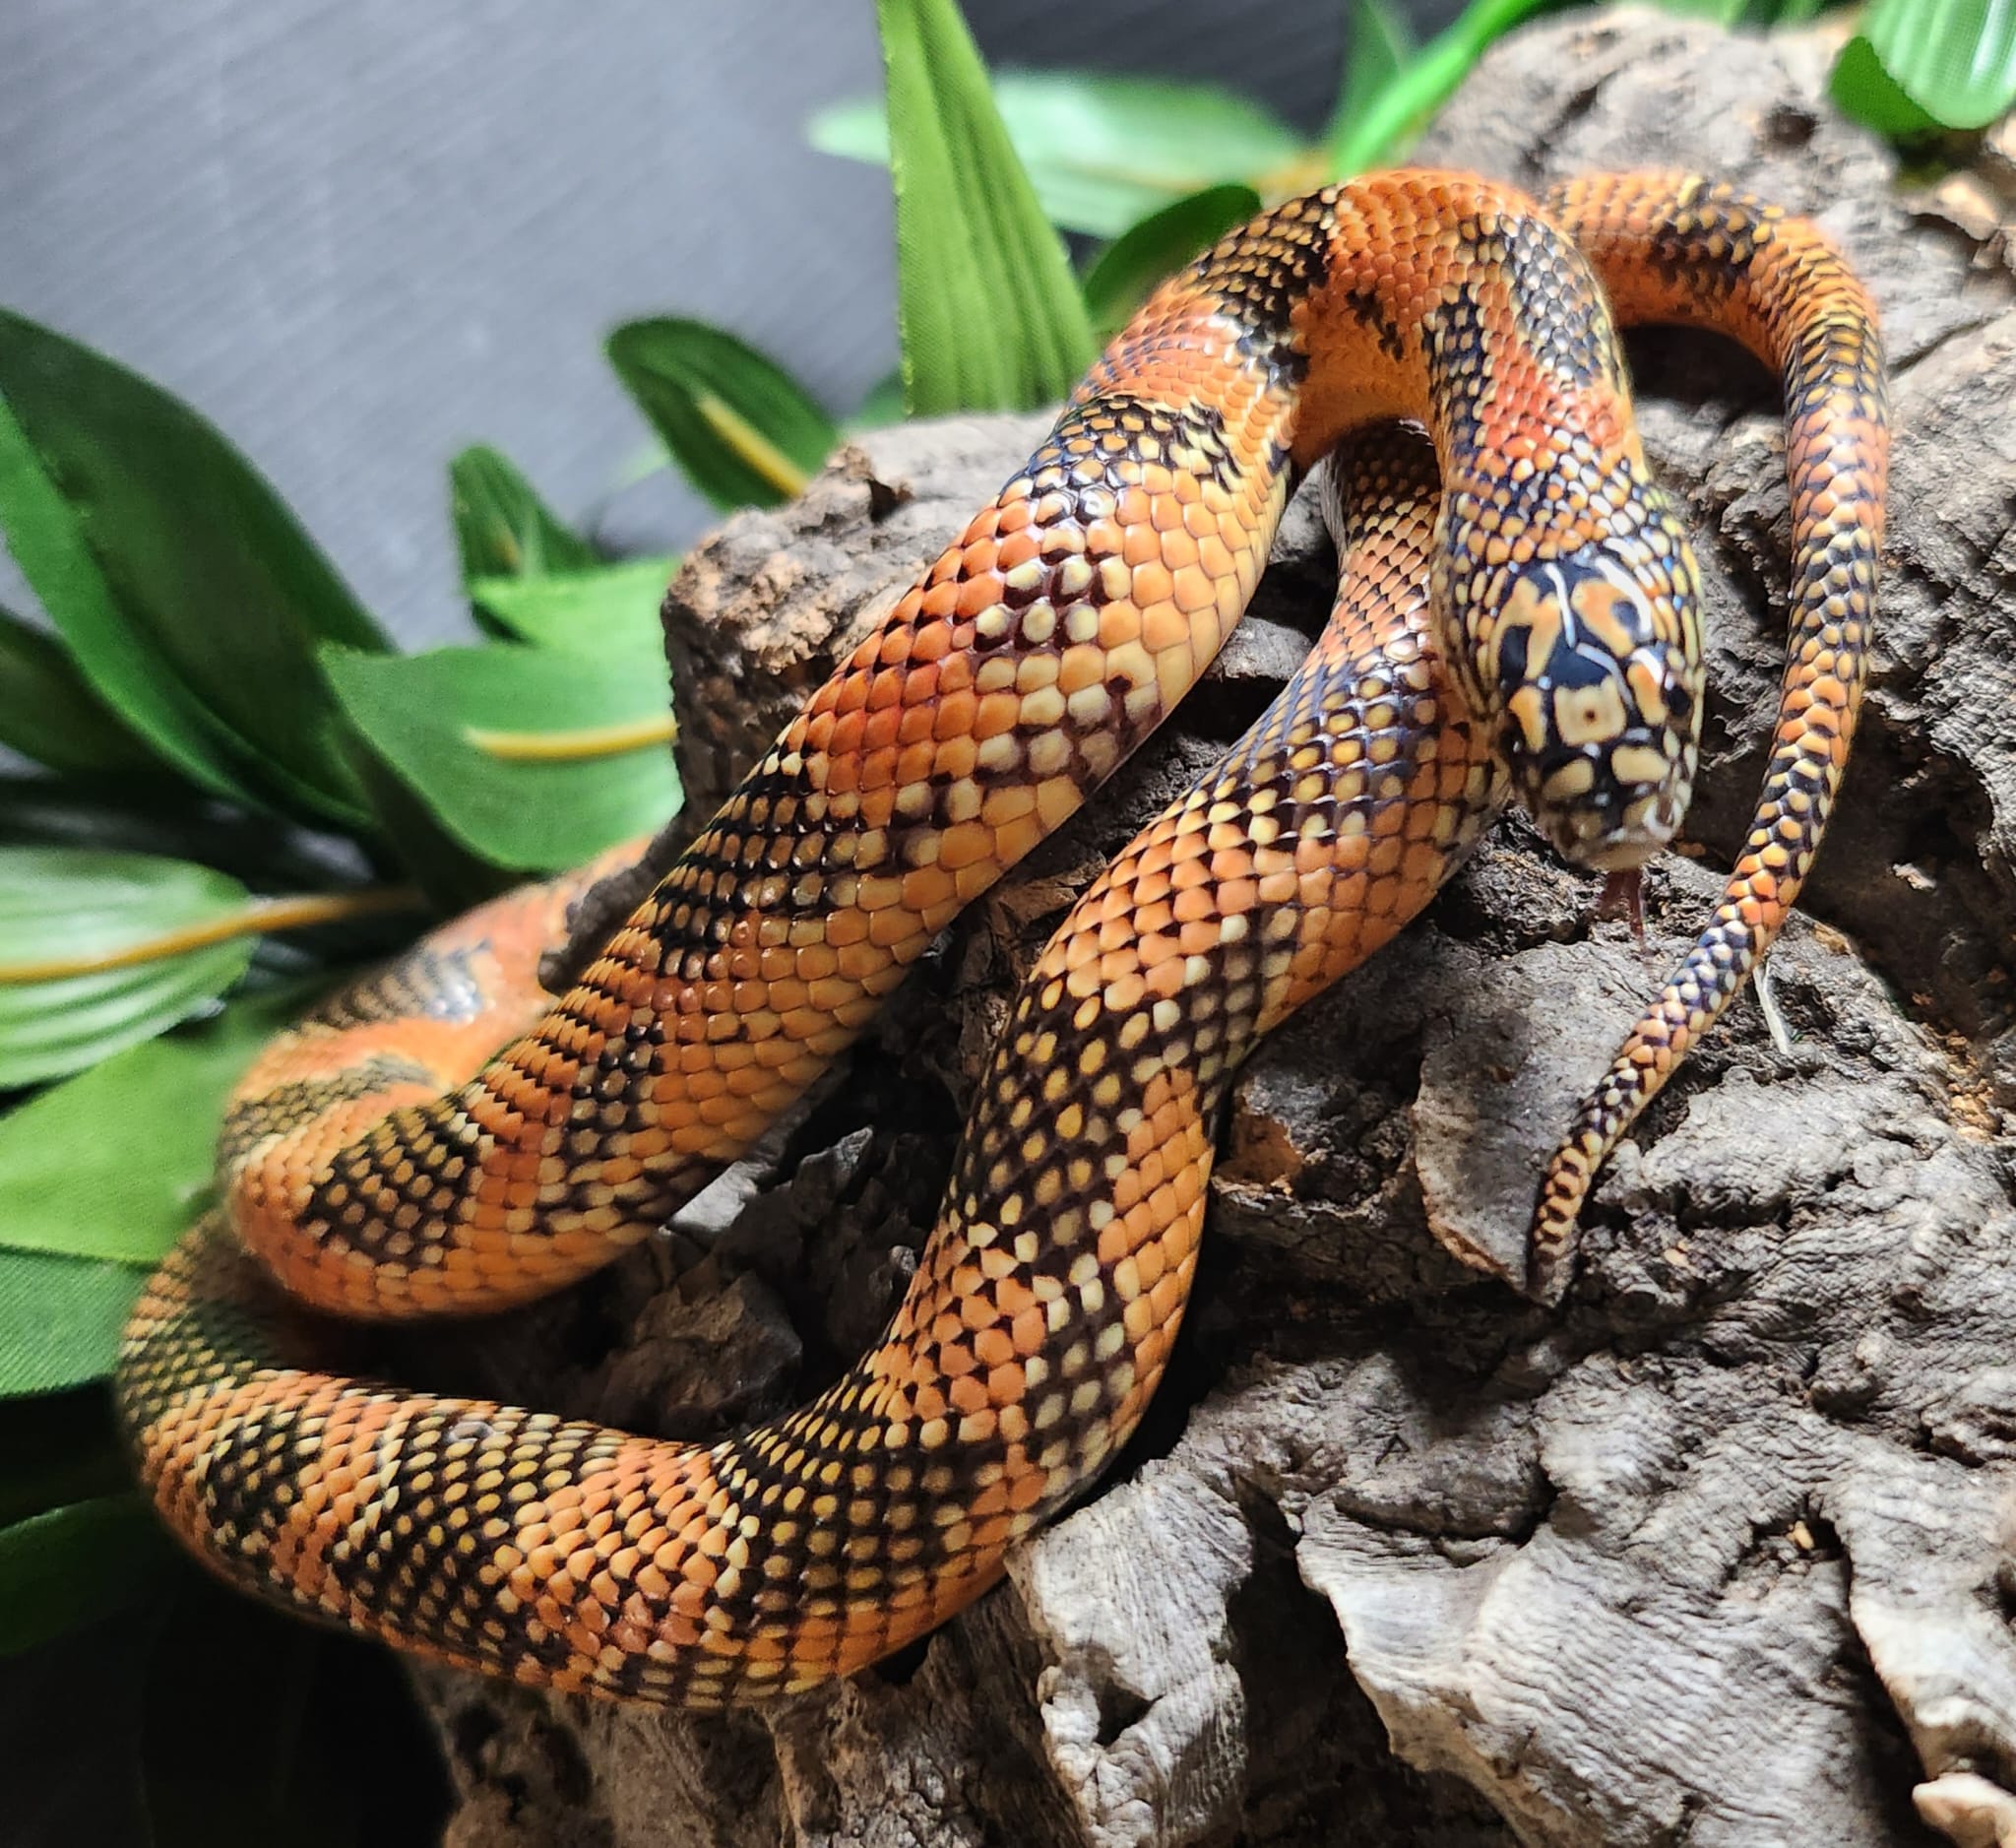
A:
(1719, 1552)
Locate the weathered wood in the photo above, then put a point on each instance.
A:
(1719, 1552)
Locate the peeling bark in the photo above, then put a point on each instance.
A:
(1719, 1552)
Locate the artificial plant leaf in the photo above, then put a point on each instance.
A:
(72, 1565)
(1160, 245)
(987, 307)
(1103, 151)
(1865, 90)
(48, 711)
(745, 432)
(502, 528)
(60, 1319)
(1381, 44)
(58, 903)
(607, 613)
(1955, 59)
(191, 597)
(1424, 83)
(118, 1162)
(432, 718)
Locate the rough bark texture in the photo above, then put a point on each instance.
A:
(1719, 1552)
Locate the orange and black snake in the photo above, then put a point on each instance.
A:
(1531, 623)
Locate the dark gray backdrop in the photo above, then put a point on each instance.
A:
(360, 233)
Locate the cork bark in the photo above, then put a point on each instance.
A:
(1720, 1552)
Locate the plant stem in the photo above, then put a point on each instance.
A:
(254, 919)
(572, 747)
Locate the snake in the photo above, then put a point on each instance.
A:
(1518, 617)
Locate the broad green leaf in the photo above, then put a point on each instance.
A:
(989, 313)
(70, 1183)
(73, 1566)
(1865, 90)
(1748, 14)
(504, 530)
(1424, 83)
(47, 709)
(604, 612)
(1103, 151)
(1956, 59)
(1160, 245)
(60, 1319)
(60, 902)
(191, 597)
(453, 877)
(746, 433)
(418, 714)
(1381, 44)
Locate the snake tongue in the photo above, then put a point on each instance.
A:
(1624, 896)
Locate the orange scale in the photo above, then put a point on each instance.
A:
(998, 712)
(1015, 840)
(1019, 549)
(1140, 547)
(954, 716)
(977, 596)
(940, 601)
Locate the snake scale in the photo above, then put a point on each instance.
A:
(1518, 613)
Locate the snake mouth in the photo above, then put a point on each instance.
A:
(1593, 817)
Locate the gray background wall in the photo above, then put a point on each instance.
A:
(361, 233)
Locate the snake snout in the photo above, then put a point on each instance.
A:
(1599, 692)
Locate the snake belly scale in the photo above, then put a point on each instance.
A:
(1518, 611)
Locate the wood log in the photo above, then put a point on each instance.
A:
(1718, 1552)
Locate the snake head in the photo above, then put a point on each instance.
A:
(1593, 663)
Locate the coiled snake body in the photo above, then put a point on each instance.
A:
(1530, 624)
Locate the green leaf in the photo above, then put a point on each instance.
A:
(60, 902)
(417, 713)
(1103, 151)
(60, 1319)
(1955, 59)
(989, 313)
(47, 709)
(746, 432)
(1865, 90)
(68, 1186)
(503, 527)
(191, 597)
(1428, 80)
(1160, 245)
(1381, 44)
(604, 612)
(73, 1566)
